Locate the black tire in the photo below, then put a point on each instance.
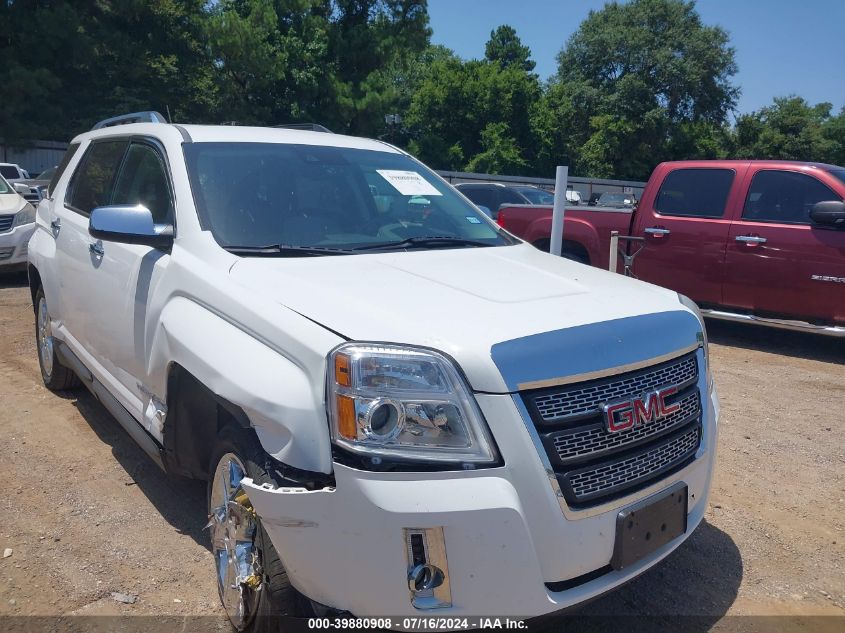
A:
(277, 596)
(55, 375)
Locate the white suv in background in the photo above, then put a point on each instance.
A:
(17, 224)
(401, 409)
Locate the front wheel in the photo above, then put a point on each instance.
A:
(56, 376)
(253, 584)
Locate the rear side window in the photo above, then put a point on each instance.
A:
(143, 180)
(699, 193)
(61, 168)
(784, 196)
(9, 171)
(508, 196)
(479, 195)
(93, 181)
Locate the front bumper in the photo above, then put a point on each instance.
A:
(506, 534)
(13, 245)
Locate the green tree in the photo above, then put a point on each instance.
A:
(500, 153)
(457, 100)
(640, 78)
(790, 129)
(68, 64)
(505, 47)
(269, 58)
(369, 41)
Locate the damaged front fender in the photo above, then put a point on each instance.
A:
(281, 397)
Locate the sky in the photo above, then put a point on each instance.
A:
(782, 46)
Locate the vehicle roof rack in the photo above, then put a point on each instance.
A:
(135, 117)
(311, 127)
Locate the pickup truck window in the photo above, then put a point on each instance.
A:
(700, 193)
(93, 180)
(257, 195)
(784, 196)
(143, 180)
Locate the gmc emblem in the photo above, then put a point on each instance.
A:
(651, 407)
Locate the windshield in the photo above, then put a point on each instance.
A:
(9, 171)
(537, 196)
(5, 187)
(259, 195)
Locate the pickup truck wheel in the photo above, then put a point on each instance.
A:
(253, 584)
(56, 376)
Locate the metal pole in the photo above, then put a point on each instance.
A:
(558, 210)
(614, 250)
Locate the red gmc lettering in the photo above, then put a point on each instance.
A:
(650, 408)
(626, 418)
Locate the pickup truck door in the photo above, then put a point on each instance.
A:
(778, 262)
(685, 226)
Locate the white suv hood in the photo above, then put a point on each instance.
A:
(11, 203)
(460, 301)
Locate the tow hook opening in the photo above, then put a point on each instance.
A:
(428, 571)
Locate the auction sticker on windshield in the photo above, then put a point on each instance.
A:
(408, 183)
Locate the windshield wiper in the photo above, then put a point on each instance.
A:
(286, 250)
(430, 241)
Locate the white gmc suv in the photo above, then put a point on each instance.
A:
(401, 409)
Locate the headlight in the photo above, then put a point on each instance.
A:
(24, 216)
(689, 303)
(404, 403)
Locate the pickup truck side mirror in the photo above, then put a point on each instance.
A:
(21, 188)
(829, 213)
(129, 224)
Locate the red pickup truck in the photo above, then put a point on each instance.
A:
(747, 240)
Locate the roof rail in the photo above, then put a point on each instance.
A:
(312, 127)
(135, 117)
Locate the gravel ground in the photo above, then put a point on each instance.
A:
(86, 513)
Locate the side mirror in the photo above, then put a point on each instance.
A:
(130, 225)
(829, 213)
(22, 188)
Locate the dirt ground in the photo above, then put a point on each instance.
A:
(86, 513)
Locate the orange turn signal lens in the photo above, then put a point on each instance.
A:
(342, 373)
(346, 426)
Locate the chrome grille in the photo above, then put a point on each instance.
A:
(6, 222)
(606, 478)
(595, 440)
(570, 401)
(592, 464)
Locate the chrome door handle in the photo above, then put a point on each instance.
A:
(97, 249)
(751, 239)
(656, 230)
